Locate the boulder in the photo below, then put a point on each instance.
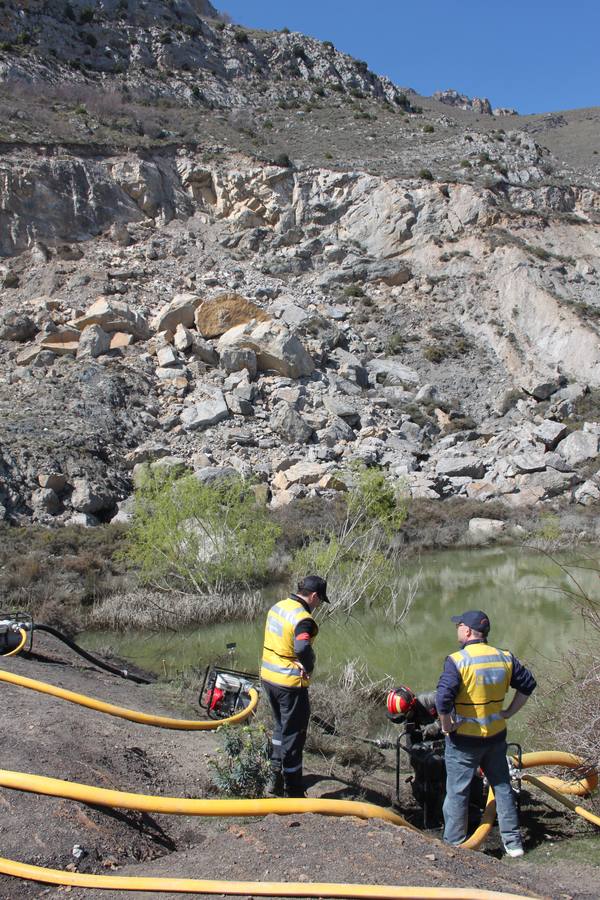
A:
(53, 481)
(83, 520)
(94, 341)
(578, 447)
(338, 430)
(340, 408)
(183, 338)
(179, 311)
(587, 493)
(205, 413)
(114, 316)
(15, 326)
(545, 485)
(331, 482)
(167, 357)
(63, 341)
(119, 339)
(543, 390)
(235, 359)
(125, 511)
(119, 234)
(238, 406)
(45, 500)
(90, 498)
(457, 466)
(391, 372)
(392, 272)
(300, 473)
(214, 317)
(204, 351)
(528, 461)
(210, 474)
(289, 424)
(28, 355)
(550, 433)
(483, 530)
(276, 348)
(171, 466)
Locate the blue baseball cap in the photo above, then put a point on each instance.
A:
(475, 619)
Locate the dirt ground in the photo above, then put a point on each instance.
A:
(47, 736)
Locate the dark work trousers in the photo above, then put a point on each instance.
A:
(291, 712)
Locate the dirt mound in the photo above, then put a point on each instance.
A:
(46, 736)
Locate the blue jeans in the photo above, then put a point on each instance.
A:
(461, 765)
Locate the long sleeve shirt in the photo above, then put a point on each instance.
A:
(521, 680)
(303, 632)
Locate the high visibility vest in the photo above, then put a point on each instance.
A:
(279, 663)
(485, 674)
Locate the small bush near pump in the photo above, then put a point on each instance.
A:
(241, 766)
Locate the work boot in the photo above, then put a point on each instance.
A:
(275, 786)
(294, 786)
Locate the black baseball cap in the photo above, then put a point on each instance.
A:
(475, 619)
(314, 584)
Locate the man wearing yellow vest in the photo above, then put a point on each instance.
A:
(470, 700)
(287, 663)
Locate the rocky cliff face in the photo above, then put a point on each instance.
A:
(192, 304)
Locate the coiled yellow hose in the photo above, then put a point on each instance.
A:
(131, 715)
(582, 787)
(18, 649)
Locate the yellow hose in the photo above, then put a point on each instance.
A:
(249, 888)
(553, 786)
(582, 787)
(580, 810)
(181, 806)
(18, 649)
(131, 714)
(488, 818)
(185, 806)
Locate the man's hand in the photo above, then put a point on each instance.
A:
(448, 723)
(304, 673)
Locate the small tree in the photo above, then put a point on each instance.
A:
(241, 767)
(188, 535)
(358, 557)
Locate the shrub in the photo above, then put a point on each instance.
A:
(283, 161)
(86, 15)
(240, 36)
(428, 129)
(435, 353)
(241, 768)
(353, 290)
(357, 554)
(395, 343)
(426, 174)
(196, 536)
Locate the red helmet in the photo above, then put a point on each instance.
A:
(401, 701)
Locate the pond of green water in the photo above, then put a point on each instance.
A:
(521, 590)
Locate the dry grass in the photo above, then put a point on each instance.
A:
(157, 611)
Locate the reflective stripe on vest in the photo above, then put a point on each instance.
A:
(485, 674)
(279, 663)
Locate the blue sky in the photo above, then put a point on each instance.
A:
(535, 56)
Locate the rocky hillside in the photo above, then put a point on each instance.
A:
(243, 251)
